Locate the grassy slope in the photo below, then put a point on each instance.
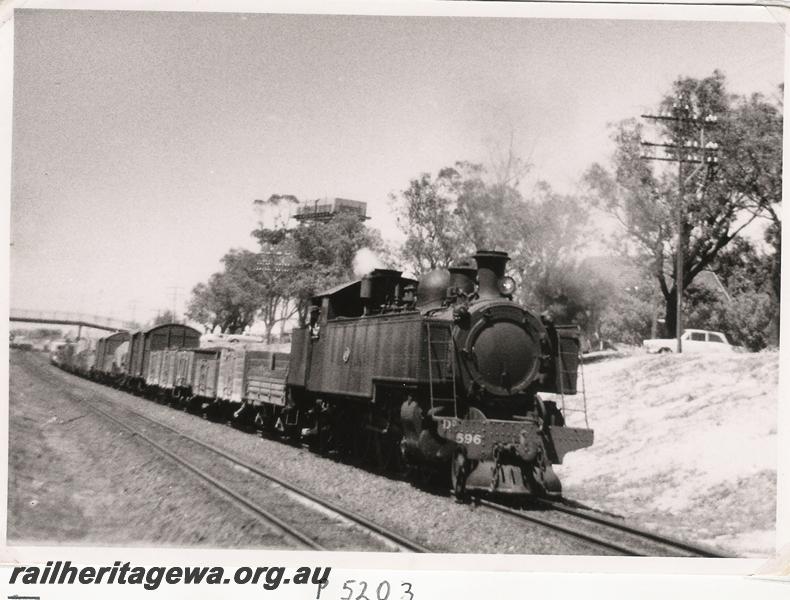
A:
(685, 445)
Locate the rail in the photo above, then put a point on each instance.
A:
(391, 538)
(608, 534)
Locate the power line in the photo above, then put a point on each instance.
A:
(176, 289)
(684, 149)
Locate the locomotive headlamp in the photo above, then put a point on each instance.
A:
(506, 285)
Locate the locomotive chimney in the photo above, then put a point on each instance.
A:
(379, 287)
(490, 269)
(366, 293)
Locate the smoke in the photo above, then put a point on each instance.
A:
(365, 260)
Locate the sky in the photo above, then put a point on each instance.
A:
(140, 140)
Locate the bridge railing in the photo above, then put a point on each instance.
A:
(76, 317)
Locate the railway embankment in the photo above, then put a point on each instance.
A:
(74, 479)
(684, 444)
(82, 481)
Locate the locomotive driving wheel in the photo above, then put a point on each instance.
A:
(323, 440)
(459, 471)
(385, 451)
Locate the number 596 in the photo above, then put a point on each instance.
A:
(468, 438)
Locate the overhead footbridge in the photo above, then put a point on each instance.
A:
(80, 320)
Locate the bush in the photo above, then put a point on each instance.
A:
(748, 320)
(628, 320)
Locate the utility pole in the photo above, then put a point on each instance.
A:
(175, 290)
(133, 308)
(684, 148)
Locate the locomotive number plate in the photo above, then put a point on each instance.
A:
(479, 436)
(461, 437)
(468, 438)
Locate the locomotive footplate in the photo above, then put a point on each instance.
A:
(509, 457)
(482, 438)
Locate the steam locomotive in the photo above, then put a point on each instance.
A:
(444, 371)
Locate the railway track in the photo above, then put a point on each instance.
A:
(603, 533)
(256, 490)
(611, 536)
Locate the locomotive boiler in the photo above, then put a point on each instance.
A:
(446, 370)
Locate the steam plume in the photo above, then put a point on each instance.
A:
(365, 260)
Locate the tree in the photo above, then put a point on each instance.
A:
(716, 208)
(741, 267)
(426, 213)
(739, 302)
(490, 209)
(622, 303)
(231, 298)
(323, 254)
(628, 317)
(465, 208)
(265, 277)
(546, 235)
(39, 333)
(164, 317)
(276, 262)
(299, 261)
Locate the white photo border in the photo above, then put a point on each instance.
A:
(445, 563)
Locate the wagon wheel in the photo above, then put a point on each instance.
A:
(429, 478)
(359, 445)
(324, 439)
(347, 444)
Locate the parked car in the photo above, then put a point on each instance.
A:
(693, 340)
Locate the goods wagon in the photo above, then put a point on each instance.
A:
(196, 377)
(160, 337)
(248, 379)
(84, 357)
(106, 366)
(162, 369)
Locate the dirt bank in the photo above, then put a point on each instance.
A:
(687, 444)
